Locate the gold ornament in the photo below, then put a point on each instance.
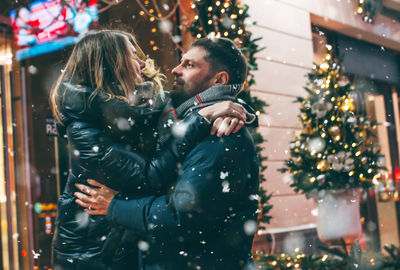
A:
(334, 131)
(323, 165)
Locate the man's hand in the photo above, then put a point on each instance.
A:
(226, 125)
(94, 200)
(229, 117)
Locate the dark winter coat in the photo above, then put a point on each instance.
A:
(207, 222)
(109, 141)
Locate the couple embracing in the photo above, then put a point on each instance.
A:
(157, 180)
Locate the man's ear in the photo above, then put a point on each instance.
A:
(221, 78)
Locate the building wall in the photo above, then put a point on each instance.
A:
(285, 28)
(286, 32)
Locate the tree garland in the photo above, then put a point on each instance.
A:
(332, 259)
(227, 18)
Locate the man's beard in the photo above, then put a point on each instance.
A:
(178, 97)
(178, 94)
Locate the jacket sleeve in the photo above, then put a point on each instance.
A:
(216, 176)
(124, 170)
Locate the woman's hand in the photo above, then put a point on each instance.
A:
(228, 117)
(94, 200)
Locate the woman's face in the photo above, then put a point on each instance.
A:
(137, 65)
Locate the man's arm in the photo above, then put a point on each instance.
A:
(217, 177)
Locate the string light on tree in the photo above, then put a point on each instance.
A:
(159, 19)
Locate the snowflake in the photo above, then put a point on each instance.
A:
(225, 187)
(223, 175)
(143, 246)
(250, 227)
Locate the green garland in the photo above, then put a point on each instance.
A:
(226, 18)
(335, 149)
(333, 259)
(368, 9)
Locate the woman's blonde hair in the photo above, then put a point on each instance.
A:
(150, 70)
(103, 61)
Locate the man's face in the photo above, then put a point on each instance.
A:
(192, 75)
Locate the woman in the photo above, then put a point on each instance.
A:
(110, 140)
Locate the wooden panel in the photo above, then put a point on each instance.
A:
(279, 16)
(281, 112)
(277, 182)
(280, 78)
(289, 211)
(388, 228)
(277, 145)
(283, 47)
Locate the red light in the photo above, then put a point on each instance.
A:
(397, 175)
(24, 253)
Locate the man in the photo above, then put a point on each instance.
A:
(207, 220)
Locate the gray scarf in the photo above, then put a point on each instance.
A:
(208, 97)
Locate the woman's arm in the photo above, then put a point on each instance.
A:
(125, 170)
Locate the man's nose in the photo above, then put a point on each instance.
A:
(176, 70)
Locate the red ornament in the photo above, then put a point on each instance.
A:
(397, 175)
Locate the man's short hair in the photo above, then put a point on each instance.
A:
(224, 55)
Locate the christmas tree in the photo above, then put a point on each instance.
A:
(227, 18)
(335, 149)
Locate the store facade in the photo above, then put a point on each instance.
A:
(34, 164)
(295, 34)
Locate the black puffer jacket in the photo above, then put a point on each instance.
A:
(109, 141)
